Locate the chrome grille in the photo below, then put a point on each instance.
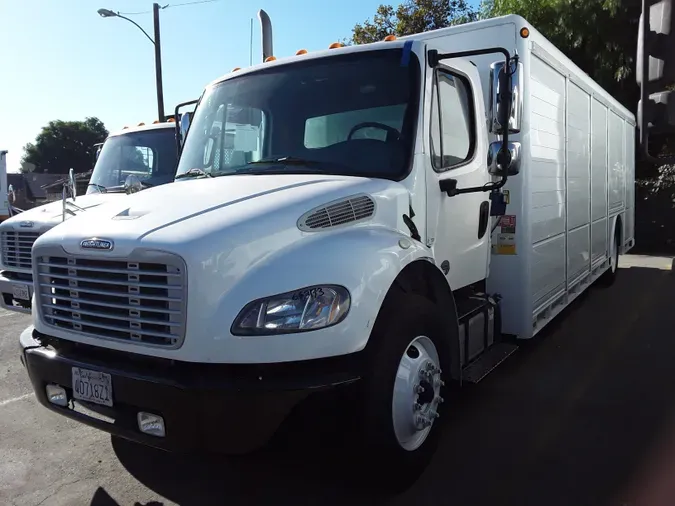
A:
(139, 301)
(16, 248)
(339, 213)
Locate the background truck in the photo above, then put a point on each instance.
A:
(4, 189)
(146, 152)
(368, 230)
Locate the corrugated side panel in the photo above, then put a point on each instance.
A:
(578, 183)
(598, 181)
(547, 166)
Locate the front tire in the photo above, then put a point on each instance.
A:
(403, 390)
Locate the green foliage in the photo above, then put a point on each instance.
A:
(412, 16)
(65, 144)
(600, 36)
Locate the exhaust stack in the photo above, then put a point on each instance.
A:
(266, 34)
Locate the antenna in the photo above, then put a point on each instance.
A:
(250, 51)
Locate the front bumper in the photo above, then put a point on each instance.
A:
(219, 407)
(8, 281)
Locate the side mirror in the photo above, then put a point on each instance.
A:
(515, 114)
(132, 184)
(184, 125)
(71, 183)
(496, 165)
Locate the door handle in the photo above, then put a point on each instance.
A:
(483, 218)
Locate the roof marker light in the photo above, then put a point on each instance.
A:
(389, 38)
(335, 45)
(270, 58)
(141, 124)
(301, 51)
(235, 69)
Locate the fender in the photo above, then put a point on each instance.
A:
(368, 260)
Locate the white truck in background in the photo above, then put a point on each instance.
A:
(394, 218)
(4, 187)
(129, 160)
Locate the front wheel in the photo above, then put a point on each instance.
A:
(403, 391)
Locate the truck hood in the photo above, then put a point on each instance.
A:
(49, 215)
(186, 211)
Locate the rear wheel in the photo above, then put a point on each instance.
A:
(402, 393)
(609, 276)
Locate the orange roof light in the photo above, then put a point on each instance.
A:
(301, 51)
(335, 45)
(155, 122)
(270, 58)
(141, 124)
(235, 69)
(171, 120)
(125, 127)
(389, 38)
(524, 32)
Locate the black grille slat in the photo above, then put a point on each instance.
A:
(112, 299)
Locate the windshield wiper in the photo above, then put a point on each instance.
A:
(194, 172)
(286, 160)
(99, 187)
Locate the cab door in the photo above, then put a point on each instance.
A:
(457, 149)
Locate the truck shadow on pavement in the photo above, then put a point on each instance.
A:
(575, 416)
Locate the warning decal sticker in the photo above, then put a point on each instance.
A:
(504, 238)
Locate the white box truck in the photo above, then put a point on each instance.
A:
(4, 188)
(147, 153)
(391, 217)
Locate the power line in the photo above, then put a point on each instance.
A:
(169, 6)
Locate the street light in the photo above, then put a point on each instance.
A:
(107, 13)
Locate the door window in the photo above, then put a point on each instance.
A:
(452, 121)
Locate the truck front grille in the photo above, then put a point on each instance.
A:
(139, 301)
(16, 248)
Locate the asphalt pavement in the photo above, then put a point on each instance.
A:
(584, 414)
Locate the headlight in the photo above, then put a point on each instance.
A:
(310, 308)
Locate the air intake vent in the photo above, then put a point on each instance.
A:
(350, 210)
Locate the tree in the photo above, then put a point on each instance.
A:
(63, 145)
(599, 36)
(412, 16)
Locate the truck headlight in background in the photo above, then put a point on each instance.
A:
(310, 308)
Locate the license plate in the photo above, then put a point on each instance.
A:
(92, 386)
(21, 292)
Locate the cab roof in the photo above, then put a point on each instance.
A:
(144, 128)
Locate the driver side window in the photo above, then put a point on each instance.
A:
(453, 125)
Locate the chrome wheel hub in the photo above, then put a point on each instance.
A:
(417, 393)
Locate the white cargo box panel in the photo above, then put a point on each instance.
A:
(576, 179)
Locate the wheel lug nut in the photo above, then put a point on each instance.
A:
(419, 389)
(417, 406)
(441, 400)
(433, 414)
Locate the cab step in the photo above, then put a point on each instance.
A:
(482, 366)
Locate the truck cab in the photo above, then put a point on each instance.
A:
(146, 152)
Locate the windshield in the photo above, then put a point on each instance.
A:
(150, 155)
(352, 114)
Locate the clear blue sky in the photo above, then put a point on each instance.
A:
(60, 60)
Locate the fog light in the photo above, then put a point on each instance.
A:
(151, 424)
(57, 395)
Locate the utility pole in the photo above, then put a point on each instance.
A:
(158, 63)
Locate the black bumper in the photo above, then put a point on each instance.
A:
(215, 407)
